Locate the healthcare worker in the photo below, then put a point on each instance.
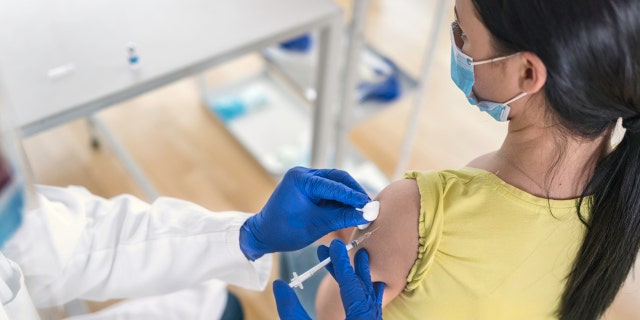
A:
(61, 244)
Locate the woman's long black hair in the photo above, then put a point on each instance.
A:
(591, 49)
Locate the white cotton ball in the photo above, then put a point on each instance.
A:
(371, 210)
(370, 213)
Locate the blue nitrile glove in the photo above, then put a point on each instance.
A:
(289, 307)
(306, 205)
(361, 298)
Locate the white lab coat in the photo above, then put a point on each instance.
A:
(80, 246)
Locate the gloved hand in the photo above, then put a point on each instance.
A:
(289, 307)
(306, 205)
(361, 298)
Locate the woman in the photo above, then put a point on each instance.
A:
(548, 226)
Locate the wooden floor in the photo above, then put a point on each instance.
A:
(189, 154)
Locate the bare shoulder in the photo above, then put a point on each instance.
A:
(393, 248)
(400, 191)
(485, 162)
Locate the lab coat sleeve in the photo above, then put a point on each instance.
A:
(78, 245)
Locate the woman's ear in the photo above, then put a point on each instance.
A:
(534, 73)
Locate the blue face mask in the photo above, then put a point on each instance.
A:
(11, 206)
(463, 76)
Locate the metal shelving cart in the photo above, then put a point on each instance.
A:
(288, 83)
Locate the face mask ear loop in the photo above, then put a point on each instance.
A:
(516, 98)
(475, 63)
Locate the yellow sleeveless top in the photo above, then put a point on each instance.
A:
(488, 250)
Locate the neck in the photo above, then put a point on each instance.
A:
(548, 162)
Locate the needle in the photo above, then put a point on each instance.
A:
(298, 279)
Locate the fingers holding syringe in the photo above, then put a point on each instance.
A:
(361, 264)
(375, 289)
(340, 263)
(323, 253)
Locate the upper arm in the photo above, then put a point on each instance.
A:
(393, 247)
(625, 305)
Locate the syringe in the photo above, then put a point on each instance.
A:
(298, 279)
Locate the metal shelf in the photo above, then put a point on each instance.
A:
(278, 133)
(299, 70)
(289, 78)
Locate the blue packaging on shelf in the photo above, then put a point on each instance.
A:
(231, 107)
(228, 108)
(387, 88)
(299, 44)
(385, 91)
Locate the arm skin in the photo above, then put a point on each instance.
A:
(625, 305)
(393, 248)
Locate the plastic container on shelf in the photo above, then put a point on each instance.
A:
(232, 106)
(267, 117)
